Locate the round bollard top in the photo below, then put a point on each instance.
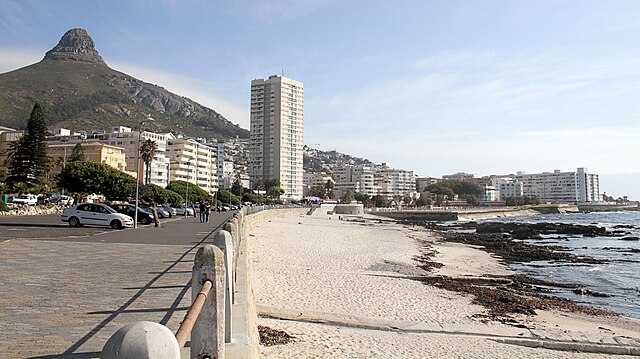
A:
(142, 340)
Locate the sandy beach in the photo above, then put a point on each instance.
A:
(348, 289)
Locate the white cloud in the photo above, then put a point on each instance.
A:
(13, 59)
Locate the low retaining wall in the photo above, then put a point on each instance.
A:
(33, 210)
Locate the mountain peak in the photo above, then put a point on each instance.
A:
(75, 45)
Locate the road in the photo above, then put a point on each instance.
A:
(65, 290)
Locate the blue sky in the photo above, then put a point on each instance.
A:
(486, 87)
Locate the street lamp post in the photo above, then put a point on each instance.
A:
(186, 195)
(148, 119)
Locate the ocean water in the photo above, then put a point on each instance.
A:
(619, 277)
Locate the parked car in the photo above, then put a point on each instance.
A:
(180, 211)
(172, 211)
(162, 213)
(29, 199)
(95, 214)
(49, 197)
(144, 217)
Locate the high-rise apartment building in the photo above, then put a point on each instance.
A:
(277, 113)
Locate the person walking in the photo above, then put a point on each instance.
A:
(202, 208)
(207, 210)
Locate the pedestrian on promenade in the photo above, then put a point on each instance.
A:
(202, 212)
(207, 210)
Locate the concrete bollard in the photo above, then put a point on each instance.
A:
(207, 336)
(232, 227)
(142, 340)
(222, 240)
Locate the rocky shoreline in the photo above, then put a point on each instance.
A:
(508, 295)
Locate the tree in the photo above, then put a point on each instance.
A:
(148, 150)
(196, 194)
(77, 154)
(328, 186)
(318, 191)
(259, 185)
(28, 160)
(160, 195)
(85, 177)
(273, 188)
(521, 200)
(380, 201)
(421, 202)
(347, 197)
(236, 187)
(227, 197)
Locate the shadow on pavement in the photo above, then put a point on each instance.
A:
(69, 353)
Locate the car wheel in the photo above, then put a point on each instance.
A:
(74, 222)
(115, 224)
(145, 220)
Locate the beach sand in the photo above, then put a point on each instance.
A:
(343, 289)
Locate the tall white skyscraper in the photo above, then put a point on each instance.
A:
(277, 112)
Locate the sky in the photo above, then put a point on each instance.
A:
(437, 87)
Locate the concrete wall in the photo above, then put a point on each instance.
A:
(350, 209)
(245, 317)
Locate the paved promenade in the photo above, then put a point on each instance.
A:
(63, 292)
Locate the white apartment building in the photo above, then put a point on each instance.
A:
(316, 180)
(124, 137)
(193, 162)
(394, 182)
(277, 117)
(562, 187)
(354, 179)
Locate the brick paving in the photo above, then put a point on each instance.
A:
(64, 299)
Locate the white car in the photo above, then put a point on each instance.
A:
(180, 211)
(95, 214)
(29, 199)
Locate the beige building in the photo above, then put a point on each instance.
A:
(7, 135)
(93, 151)
(277, 118)
(193, 162)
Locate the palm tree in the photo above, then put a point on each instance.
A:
(148, 150)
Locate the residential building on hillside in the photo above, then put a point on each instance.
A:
(461, 176)
(124, 137)
(194, 162)
(354, 179)
(562, 187)
(316, 180)
(507, 187)
(393, 182)
(489, 194)
(277, 114)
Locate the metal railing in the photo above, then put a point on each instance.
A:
(209, 319)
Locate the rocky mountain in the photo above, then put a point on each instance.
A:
(78, 91)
